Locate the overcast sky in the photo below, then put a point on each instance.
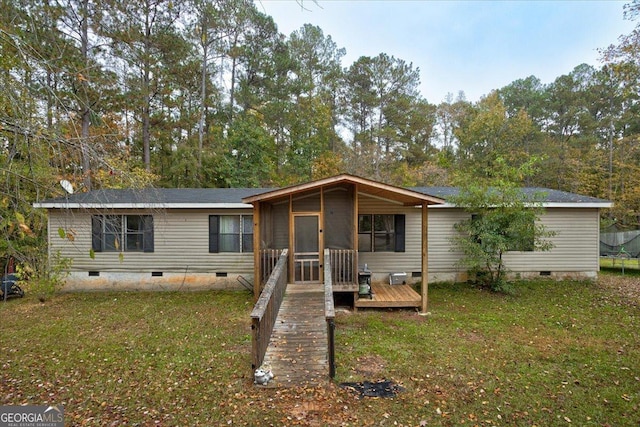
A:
(473, 46)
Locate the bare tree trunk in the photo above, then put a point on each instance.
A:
(146, 125)
(234, 64)
(203, 99)
(232, 92)
(84, 97)
(146, 98)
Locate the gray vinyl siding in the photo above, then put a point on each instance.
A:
(181, 240)
(575, 243)
(386, 262)
(442, 256)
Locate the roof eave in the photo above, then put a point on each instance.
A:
(65, 205)
(581, 205)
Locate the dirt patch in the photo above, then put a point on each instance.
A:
(310, 407)
(472, 336)
(370, 366)
(625, 287)
(309, 412)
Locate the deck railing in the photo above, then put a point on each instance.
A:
(329, 314)
(263, 316)
(344, 266)
(268, 260)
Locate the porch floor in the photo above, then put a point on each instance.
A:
(390, 296)
(297, 352)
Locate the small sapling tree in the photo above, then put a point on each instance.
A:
(502, 218)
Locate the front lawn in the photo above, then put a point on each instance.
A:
(556, 353)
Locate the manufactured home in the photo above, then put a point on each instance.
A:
(178, 239)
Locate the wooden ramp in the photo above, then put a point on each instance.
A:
(298, 351)
(385, 295)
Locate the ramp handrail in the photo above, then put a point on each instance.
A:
(329, 313)
(263, 316)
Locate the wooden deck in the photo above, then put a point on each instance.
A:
(297, 352)
(390, 296)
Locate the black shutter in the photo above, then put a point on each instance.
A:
(214, 233)
(96, 233)
(399, 225)
(147, 239)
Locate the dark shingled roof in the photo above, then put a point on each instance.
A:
(547, 195)
(235, 195)
(161, 195)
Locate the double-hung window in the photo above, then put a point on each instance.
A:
(381, 233)
(122, 233)
(230, 233)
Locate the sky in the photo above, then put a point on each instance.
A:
(471, 46)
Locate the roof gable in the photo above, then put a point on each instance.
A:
(373, 188)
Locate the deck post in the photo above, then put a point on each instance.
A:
(425, 258)
(331, 333)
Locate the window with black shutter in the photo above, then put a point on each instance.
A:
(230, 233)
(122, 233)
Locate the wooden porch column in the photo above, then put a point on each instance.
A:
(257, 280)
(425, 257)
(356, 260)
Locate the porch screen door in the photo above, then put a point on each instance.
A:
(306, 251)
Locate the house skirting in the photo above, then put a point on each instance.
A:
(152, 281)
(528, 275)
(171, 281)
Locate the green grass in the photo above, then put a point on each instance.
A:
(618, 263)
(554, 353)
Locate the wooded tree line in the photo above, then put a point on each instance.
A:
(208, 93)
